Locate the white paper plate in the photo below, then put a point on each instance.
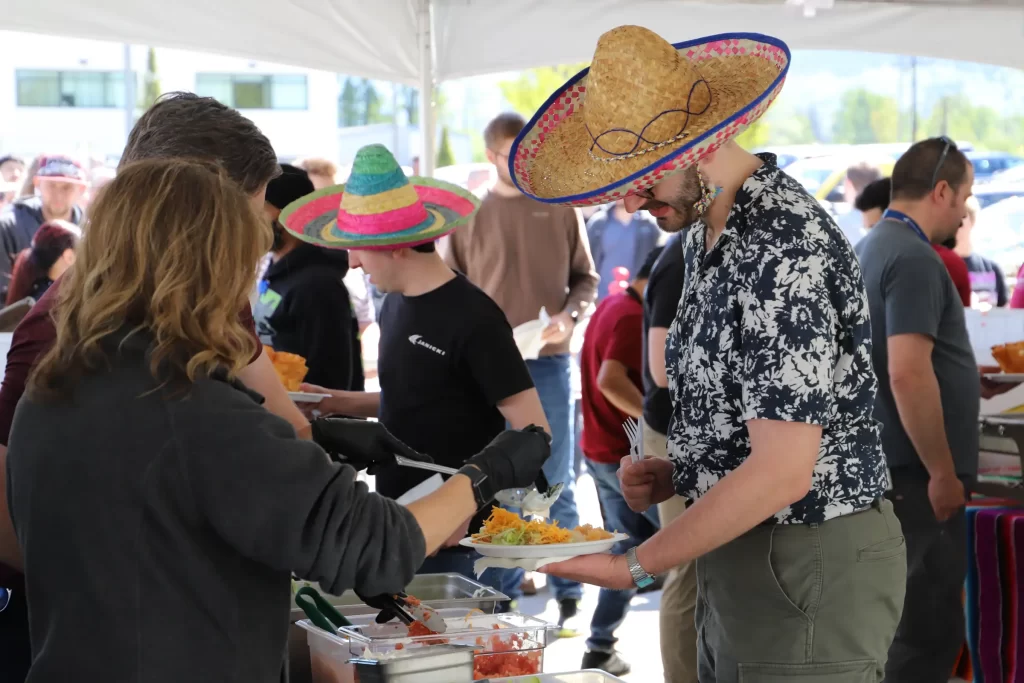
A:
(522, 552)
(303, 397)
(1006, 377)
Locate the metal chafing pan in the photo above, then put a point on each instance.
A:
(440, 591)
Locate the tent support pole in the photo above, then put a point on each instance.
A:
(427, 125)
(129, 91)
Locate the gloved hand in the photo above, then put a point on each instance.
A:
(513, 460)
(387, 604)
(361, 443)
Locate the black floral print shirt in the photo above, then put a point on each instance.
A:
(773, 325)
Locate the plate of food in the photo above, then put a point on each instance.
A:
(290, 367)
(506, 534)
(303, 397)
(1011, 361)
(1005, 377)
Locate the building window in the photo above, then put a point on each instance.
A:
(251, 91)
(42, 88)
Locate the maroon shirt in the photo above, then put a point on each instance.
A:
(1017, 298)
(615, 332)
(33, 337)
(957, 272)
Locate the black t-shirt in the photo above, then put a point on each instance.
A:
(447, 358)
(661, 299)
(304, 308)
(987, 279)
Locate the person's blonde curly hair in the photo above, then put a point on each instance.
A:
(169, 252)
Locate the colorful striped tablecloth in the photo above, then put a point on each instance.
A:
(993, 601)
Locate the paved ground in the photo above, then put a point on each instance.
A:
(639, 641)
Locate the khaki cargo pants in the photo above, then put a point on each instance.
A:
(803, 603)
(679, 596)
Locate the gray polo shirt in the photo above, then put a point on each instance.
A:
(910, 292)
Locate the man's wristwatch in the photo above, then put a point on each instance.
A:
(640, 576)
(481, 487)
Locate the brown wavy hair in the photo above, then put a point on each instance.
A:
(170, 252)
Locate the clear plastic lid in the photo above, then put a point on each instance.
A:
(485, 632)
(571, 677)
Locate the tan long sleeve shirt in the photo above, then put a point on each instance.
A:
(526, 255)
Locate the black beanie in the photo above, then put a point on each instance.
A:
(292, 184)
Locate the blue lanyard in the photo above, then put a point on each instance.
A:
(904, 218)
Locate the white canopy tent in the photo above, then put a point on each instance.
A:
(421, 42)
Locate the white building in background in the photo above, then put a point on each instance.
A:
(67, 95)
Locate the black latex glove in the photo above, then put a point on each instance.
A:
(389, 605)
(361, 443)
(513, 460)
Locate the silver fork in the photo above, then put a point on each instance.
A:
(634, 431)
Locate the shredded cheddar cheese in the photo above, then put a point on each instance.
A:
(507, 528)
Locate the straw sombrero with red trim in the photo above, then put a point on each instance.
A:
(379, 207)
(644, 109)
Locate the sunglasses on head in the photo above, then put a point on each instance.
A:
(947, 145)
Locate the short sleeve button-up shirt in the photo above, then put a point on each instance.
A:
(773, 325)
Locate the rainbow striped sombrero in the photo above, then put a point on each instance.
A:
(379, 207)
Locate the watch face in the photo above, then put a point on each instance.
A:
(644, 582)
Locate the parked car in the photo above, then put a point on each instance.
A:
(991, 193)
(988, 164)
(825, 177)
(788, 154)
(1012, 175)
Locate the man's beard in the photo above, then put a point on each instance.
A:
(683, 213)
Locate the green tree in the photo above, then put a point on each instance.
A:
(532, 87)
(370, 103)
(757, 134)
(409, 100)
(986, 128)
(478, 150)
(151, 82)
(348, 105)
(791, 127)
(445, 157)
(865, 117)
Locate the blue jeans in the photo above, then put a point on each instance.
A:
(551, 375)
(457, 561)
(612, 605)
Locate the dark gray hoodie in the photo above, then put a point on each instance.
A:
(18, 225)
(160, 532)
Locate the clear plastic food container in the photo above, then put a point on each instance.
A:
(440, 591)
(505, 644)
(593, 676)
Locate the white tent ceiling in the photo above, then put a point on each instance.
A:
(421, 42)
(546, 32)
(379, 38)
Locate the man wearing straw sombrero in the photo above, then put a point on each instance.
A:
(450, 372)
(801, 565)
